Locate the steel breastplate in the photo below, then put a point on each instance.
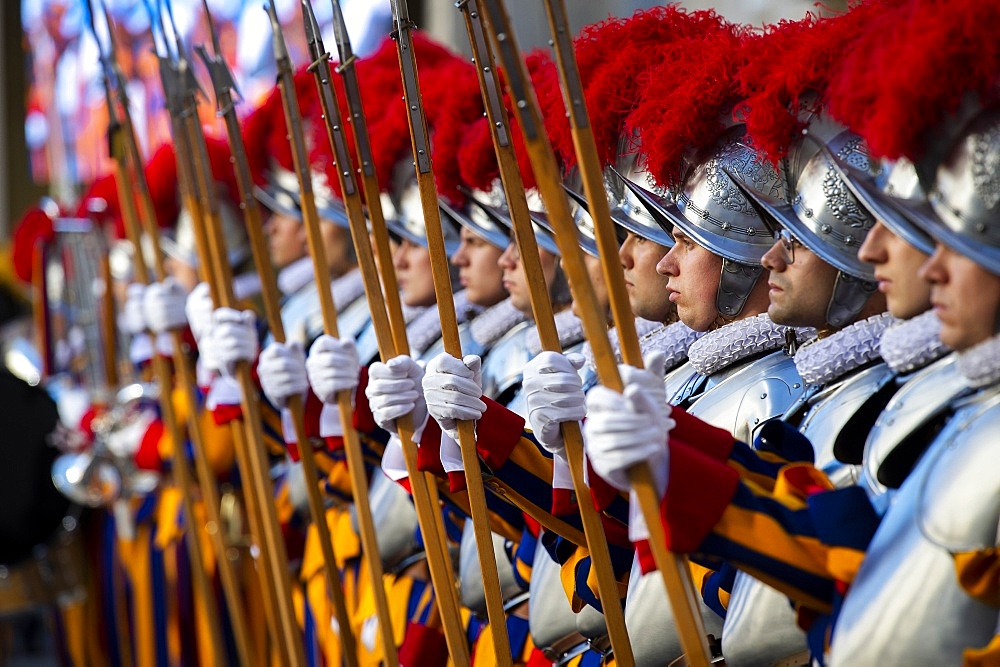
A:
(469, 344)
(905, 605)
(921, 399)
(650, 620)
(352, 318)
(591, 624)
(745, 395)
(394, 518)
(761, 625)
(550, 618)
(470, 574)
(298, 316)
(505, 361)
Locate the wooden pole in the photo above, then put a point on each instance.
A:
(547, 176)
(224, 84)
(440, 271)
(352, 444)
(438, 559)
(595, 538)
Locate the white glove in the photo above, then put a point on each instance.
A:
(282, 372)
(452, 389)
(623, 430)
(332, 366)
(132, 321)
(394, 390)
(163, 306)
(198, 309)
(231, 337)
(553, 392)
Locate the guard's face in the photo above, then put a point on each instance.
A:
(799, 290)
(896, 266)
(693, 275)
(479, 271)
(286, 240)
(185, 274)
(595, 274)
(647, 289)
(413, 271)
(965, 296)
(516, 282)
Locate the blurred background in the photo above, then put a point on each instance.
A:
(52, 116)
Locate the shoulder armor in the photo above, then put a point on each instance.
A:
(469, 344)
(505, 361)
(905, 606)
(550, 618)
(470, 575)
(829, 411)
(298, 313)
(395, 520)
(747, 394)
(650, 620)
(915, 406)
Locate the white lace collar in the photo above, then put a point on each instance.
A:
(980, 364)
(912, 344)
(671, 339)
(739, 340)
(347, 289)
(569, 326)
(246, 285)
(295, 276)
(425, 328)
(494, 322)
(823, 360)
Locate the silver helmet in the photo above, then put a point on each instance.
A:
(627, 209)
(494, 204)
(963, 204)
(404, 216)
(823, 214)
(477, 220)
(181, 244)
(282, 196)
(893, 181)
(712, 208)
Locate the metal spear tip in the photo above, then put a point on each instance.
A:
(280, 50)
(313, 36)
(340, 35)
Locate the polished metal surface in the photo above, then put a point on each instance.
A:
(505, 361)
(905, 606)
(650, 621)
(747, 394)
(550, 619)
(926, 394)
(404, 217)
(394, 517)
(470, 576)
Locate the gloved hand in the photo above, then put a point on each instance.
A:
(132, 320)
(394, 390)
(452, 389)
(231, 337)
(553, 392)
(626, 429)
(198, 309)
(332, 366)
(282, 372)
(163, 306)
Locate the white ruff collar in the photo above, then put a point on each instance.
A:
(295, 276)
(246, 285)
(823, 360)
(980, 364)
(913, 343)
(494, 322)
(569, 326)
(671, 339)
(347, 289)
(739, 340)
(426, 327)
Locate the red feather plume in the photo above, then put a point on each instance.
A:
(34, 227)
(685, 100)
(913, 66)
